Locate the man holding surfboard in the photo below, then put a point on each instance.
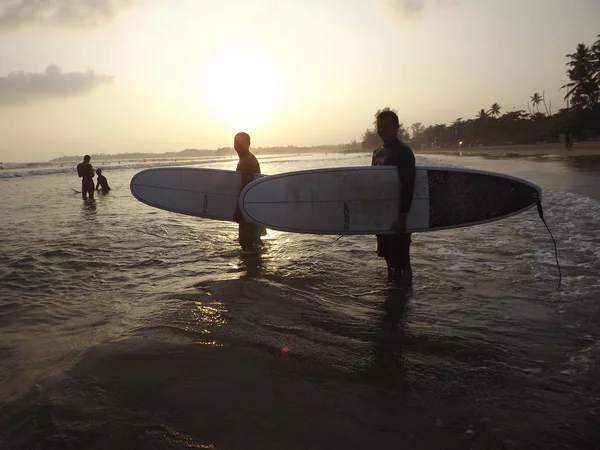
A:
(248, 165)
(395, 248)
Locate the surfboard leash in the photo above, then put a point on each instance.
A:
(327, 244)
(541, 213)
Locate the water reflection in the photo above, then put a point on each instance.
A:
(252, 264)
(89, 208)
(389, 338)
(211, 313)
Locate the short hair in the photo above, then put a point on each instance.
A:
(245, 137)
(98, 170)
(87, 157)
(388, 113)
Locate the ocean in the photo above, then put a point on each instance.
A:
(124, 327)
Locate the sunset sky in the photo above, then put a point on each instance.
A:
(89, 76)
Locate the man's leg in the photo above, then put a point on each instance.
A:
(88, 187)
(399, 267)
(248, 236)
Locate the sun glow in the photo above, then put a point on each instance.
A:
(245, 90)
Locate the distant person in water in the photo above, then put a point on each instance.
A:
(249, 234)
(86, 173)
(102, 182)
(395, 248)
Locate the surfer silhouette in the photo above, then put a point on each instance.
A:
(86, 173)
(395, 248)
(248, 234)
(102, 182)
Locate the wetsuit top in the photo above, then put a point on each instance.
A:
(248, 163)
(102, 182)
(397, 153)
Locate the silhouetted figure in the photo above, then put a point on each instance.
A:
(395, 248)
(568, 141)
(86, 173)
(248, 165)
(102, 182)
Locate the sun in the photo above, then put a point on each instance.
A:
(243, 89)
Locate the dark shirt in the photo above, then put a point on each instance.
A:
(103, 183)
(397, 153)
(248, 165)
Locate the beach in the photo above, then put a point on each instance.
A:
(125, 326)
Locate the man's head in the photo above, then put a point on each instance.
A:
(388, 126)
(241, 143)
(87, 158)
(99, 171)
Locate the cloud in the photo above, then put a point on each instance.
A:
(414, 9)
(16, 13)
(18, 88)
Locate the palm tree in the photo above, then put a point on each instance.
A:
(495, 110)
(482, 115)
(536, 99)
(596, 60)
(583, 91)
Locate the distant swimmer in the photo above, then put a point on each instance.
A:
(102, 182)
(248, 165)
(86, 173)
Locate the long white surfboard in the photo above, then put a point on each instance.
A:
(209, 193)
(366, 200)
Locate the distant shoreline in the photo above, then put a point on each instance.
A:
(587, 148)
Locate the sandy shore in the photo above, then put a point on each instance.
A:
(590, 148)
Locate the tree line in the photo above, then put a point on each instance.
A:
(579, 119)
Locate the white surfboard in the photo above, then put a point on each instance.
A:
(209, 193)
(366, 200)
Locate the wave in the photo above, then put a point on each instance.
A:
(38, 169)
(20, 170)
(9, 166)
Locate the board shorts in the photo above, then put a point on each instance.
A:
(395, 248)
(249, 235)
(87, 186)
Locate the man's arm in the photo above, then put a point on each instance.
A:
(98, 184)
(247, 171)
(373, 157)
(407, 173)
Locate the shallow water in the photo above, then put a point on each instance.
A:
(123, 326)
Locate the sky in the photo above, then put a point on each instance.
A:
(112, 76)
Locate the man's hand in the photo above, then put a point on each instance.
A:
(399, 226)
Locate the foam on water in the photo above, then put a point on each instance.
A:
(27, 170)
